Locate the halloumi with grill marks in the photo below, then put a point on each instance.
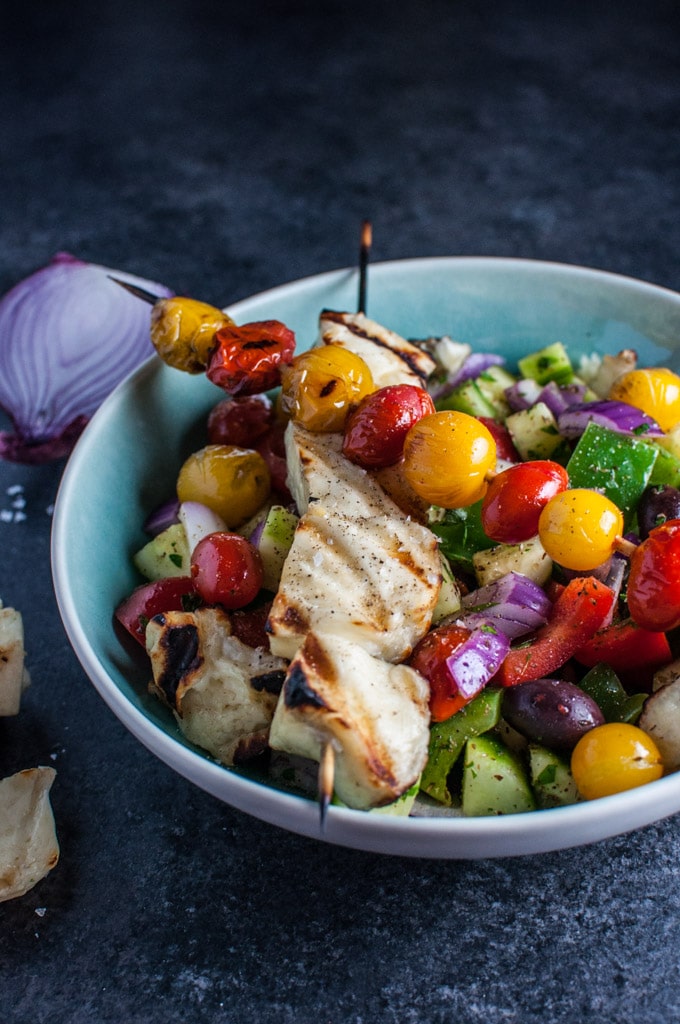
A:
(371, 580)
(390, 358)
(375, 714)
(221, 691)
(319, 474)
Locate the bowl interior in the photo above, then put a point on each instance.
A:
(127, 461)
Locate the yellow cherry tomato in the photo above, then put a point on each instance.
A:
(447, 458)
(654, 390)
(321, 386)
(612, 758)
(183, 332)
(578, 528)
(234, 482)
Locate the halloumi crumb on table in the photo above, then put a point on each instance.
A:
(462, 576)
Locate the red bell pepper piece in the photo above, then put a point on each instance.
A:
(149, 599)
(584, 606)
(632, 652)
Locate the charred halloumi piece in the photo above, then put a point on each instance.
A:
(390, 358)
(375, 715)
(320, 475)
(374, 581)
(221, 692)
(358, 567)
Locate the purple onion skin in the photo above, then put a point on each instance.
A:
(618, 416)
(68, 336)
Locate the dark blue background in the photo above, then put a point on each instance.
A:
(223, 148)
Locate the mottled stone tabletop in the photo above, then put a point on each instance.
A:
(223, 148)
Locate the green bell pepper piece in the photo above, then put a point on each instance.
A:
(460, 534)
(615, 464)
(603, 685)
(448, 739)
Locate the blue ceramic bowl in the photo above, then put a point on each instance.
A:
(127, 460)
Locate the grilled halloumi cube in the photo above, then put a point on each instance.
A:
(375, 714)
(390, 358)
(222, 692)
(374, 581)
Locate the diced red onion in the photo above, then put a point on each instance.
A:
(523, 394)
(162, 517)
(618, 416)
(199, 521)
(68, 336)
(476, 661)
(559, 398)
(513, 604)
(475, 364)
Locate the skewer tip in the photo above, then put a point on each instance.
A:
(326, 780)
(366, 235)
(135, 289)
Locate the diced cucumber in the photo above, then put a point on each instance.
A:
(534, 432)
(447, 740)
(492, 384)
(468, 398)
(494, 779)
(449, 600)
(530, 558)
(551, 778)
(549, 363)
(166, 555)
(274, 544)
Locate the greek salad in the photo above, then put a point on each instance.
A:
(453, 582)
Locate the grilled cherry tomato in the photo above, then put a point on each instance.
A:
(429, 658)
(447, 458)
(240, 421)
(322, 385)
(183, 332)
(234, 482)
(171, 594)
(517, 496)
(655, 390)
(227, 570)
(612, 758)
(654, 580)
(578, 528)
(375, 430)
(248, 359)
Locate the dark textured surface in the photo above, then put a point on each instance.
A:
(225, 148)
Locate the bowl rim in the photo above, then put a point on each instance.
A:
(441, 837)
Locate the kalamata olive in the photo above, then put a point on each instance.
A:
(551, 712)
(657, 505)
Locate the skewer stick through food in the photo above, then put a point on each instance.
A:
(364, 252)
(134, 289)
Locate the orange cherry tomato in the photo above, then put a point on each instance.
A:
(448, 457)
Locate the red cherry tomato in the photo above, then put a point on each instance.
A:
(375, 430)
(248, 359)
(505, 447)
(226, 570)
(273, 450)
(517, 496)
(654, 580)
(172, 594)
(429, 658)
(240, 421)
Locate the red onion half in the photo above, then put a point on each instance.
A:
(68, 336)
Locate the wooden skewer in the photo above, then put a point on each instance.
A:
(364, 253)
(326, 780)
(134, 289)
(326, 776)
